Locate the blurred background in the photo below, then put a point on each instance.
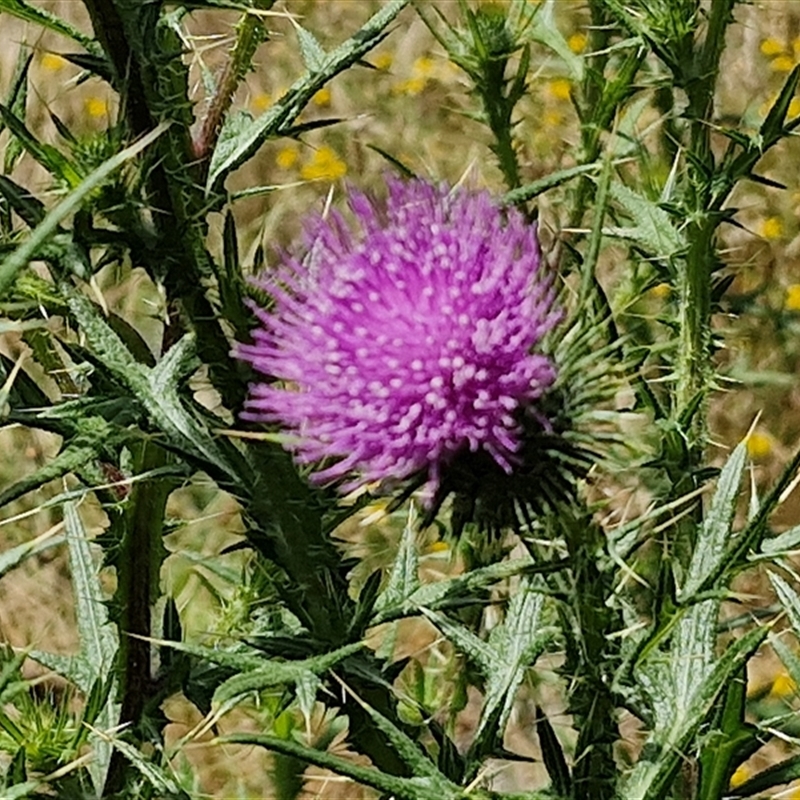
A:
(414, 105)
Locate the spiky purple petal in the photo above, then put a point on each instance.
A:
(407, 340)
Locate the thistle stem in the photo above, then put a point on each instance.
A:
(138, 575)
(591, 699)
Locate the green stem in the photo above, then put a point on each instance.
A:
(152, 81)
(591, 700)
(138, 571)
(250, 32)
(693, 370)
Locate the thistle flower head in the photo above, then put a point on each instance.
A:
(399, 342)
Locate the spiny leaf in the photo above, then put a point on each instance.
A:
(280, 673)
(403, 581)
(472, 646)
(546, 30)
(409, 751)
(96, 435)
(55, 162)
(531, 190)
(13, 263)
(98, 636)
(458, 591)
(788, 658)
(788, 598)
(157, 390)
(418, 788)
(155, 775)
(235, 147)
(310, 49)
(715, 535)
(515, 645)
(683, 685)
(782, 544)
(653, 229)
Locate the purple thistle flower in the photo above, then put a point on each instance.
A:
(407, 341)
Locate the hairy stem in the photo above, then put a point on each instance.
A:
(138, 576)
(250, 32)
(590, 664)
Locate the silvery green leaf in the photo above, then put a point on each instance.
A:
(683, 683)
(715, 534)
(310, 49)
(788, 598)
(545, 30)
(653, 229)
(403, 580)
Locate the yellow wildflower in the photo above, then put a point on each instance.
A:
(287, 156)
(783, 685)
(794, 107)
(560, 88)
(322, 97)
(552, 119)
(96, 106)
(771, 47)
(661, 291)
(782, 64)
(796, 47)
(411, 86)
(794, 794)
(261, 102)
(324, 165)
(439, 547)
(383, 60)
(771, 228)
(53, 62)
(759, 445)
(577, 42)
(423, 67)
(740, 776)
(792, 302)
